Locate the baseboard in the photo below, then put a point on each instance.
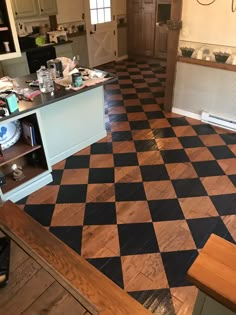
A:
(122, 58)
(186, 113)
(65, 154)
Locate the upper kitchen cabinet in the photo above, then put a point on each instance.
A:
(9, 45)
(24, 8)
(47, 7)
(33, 8)
(70, 12)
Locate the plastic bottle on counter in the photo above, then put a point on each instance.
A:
(45, 82)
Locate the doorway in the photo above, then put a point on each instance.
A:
(101, 29)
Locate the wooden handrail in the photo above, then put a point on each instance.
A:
(214, 271)
(97, 293)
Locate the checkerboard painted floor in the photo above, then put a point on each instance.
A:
(141, 203)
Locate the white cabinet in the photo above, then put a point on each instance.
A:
(64, 51)
(70, 12)
(24, 8)
(8, 33)
(16, 67)
(47, 7)
(33, 8)
(79, 47)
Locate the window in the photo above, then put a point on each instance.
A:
(100, 11)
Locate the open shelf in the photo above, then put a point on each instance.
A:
(29, 172)
(18, 150)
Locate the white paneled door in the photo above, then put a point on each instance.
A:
(101, 29)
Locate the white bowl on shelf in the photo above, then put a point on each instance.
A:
(9, 133)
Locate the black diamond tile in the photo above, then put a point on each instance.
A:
(191, 142)
(176, 266)
(56, 175)
(75, 162)
(174, 156)
(129, 192)
(143, 90)
(189, 188)
(101, 175)
(98, 213)
(70, 235)
(116, 103)
(101, 148)
(225, 204)
(139, 124)
(145, 145)
(22, 201)
(204, 129)
(130, 96)
(208, 168)
(154, 84)
(146, 101)
(110, 267)
(72, 193)
(138, 81)
(165, 210)
(159, 94)
(112, 92)
(201, 229)
(134, 109)
(121, 136)
(164, 133)
(178, 121)
(154, 172)
(154, 115)
(124, 77)
(41, 213)
(221, 152)
(233, 179)
(137, 239)
(118, 117)
(229, 138)
(126, 86)
(125, 159)
(157, 301)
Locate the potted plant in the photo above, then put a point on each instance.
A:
(221, 56)
(187, 51)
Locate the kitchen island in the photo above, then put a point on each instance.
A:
(64, 121)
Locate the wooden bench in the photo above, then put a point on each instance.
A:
(94, 291)
(214, 273)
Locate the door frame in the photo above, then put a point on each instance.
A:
(172, 52)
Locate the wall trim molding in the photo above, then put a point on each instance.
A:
(186, 113)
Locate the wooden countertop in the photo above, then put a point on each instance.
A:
(214, 271)
(96, 293)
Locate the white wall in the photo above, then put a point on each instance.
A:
(214, 24)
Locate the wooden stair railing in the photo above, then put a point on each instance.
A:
(97, 293)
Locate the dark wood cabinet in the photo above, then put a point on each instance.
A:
(141, 27)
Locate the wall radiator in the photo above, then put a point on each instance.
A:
(218, 121)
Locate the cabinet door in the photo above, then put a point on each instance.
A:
(47, 7)
(79, 47)
(70, 13)
(64, 51)
(148, 26)
(24, 8)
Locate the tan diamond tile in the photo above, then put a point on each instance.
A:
(193, 121)
(145, 95)
(222, 130)
(199, 154)
(233, 148)
(143, 272)
(142, 134)
(45, 195)
(132, 212)
(100, 193)
(151, 108)
(128, 91)
(150, 158)
(228, 166)
(68, 214)
(184, 299)
(120, 126)
(212, 140)
(116, 110)
(132, 102)
(183, 131)
(173, 236)
(123, 146)
(197, 207)
(106, 139)
(159, 123)
(128, 174)
(181, 170)
(85, 151)
(230, 222)
(75, 176)
(168, 144)
(159, 190)
(100, 241)
(59, 166)
(218, 185)
(101, 160)
(136, 116)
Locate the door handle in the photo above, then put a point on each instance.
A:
(91, 32)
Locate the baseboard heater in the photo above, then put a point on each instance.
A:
(218, 121)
